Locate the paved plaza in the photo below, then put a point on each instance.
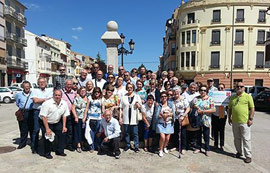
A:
(24, 161)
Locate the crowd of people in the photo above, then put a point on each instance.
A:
(96, 111)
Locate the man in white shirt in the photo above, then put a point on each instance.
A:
(191, 93)
(99, 81)
(39, 96)
(111, 129)
(52, 112)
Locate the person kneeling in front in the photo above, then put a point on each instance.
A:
(51, 113)
(110, 132)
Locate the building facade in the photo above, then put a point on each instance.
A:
(3, 62)
(15, 42)
(223, 40)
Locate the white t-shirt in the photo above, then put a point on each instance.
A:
(180, 107)
(54, 112)
(190, 96)
(120, 93)
(148, 112)
(100, 83)
(95, 106)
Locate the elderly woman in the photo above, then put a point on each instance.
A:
(163, 122)
(134, 73)
(75, 84)
(89, 88)
(129, 107)
(111, 102)
(153, 90)
(181, 112)
(140, 91)
(205, 107)
(120, 89)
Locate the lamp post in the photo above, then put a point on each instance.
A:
(122, 50)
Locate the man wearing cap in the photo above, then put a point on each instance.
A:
(210, 84)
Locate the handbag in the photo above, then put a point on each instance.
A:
(19, 113)
(185, 122)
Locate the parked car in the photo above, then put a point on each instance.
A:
(262, 100)
(6, 95)
(255, 90)
(15, 90)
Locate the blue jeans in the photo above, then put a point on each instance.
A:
(36, 128)
(95, 126)
(205, 131)
(133, 131)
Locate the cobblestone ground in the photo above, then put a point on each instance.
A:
(24, 161)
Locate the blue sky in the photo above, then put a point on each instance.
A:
(83, 22)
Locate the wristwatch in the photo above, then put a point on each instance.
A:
(250, 119)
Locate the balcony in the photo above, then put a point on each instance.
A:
(57, 60)
(192, 24)
(9, 11)
(45, 56)
(13, 37)
(16, 62)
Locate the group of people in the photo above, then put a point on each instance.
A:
(96, 111)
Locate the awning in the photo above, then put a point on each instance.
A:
(14, 71)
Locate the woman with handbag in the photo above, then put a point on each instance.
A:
(129, 116)
(181, 119)
(25, 113)
(205, 107)
(163, 122)
(111, 102)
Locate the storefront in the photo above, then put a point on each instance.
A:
(15, 75)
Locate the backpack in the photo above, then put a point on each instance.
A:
(194, 118)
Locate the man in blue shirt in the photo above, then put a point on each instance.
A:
(24, 103)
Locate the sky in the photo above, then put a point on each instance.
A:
(82, 23)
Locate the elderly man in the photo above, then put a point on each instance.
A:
(191, 93)
(174, 83)
(121, 71)
(110, 71)
(128, 79)
(68, 95)
(51, 113)
(240, 115)
(96, 68)
(40, 95)
(170, 75)
(82, 80)
(59, 81)
(25, 104)
(142, 70)
(110, 130)
(210, 84)
(99, 81)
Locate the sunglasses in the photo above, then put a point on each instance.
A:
(62, 70)
(75, 83)
(110, 77)
(221, 88)
(240, 86)
(164, 96)
(203, 90)
(121, 69)
(135, 72)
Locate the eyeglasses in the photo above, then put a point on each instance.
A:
(121, 69)
(220, 88)
(240, 86)
(62, 69)
(110, 77)
(75, 83)
(209, 81)
(135, 72)
(203, 90)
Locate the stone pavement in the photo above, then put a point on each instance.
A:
(24, 161)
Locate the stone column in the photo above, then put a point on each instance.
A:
(112, 39)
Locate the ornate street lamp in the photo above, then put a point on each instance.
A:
(122, 50)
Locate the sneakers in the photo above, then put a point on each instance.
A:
(196, 151)
(117, 157)
(126, 149)
(248, 160)
(160, 153)
(207, 153)
(166, 150)
(184, 152)
(136, 150)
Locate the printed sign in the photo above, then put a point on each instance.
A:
(221, 98)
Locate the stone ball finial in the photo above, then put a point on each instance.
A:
(112, 26)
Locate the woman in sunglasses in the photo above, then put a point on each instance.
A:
(219, 121)
(120, 89)
(89, 88)
(75, 85)
(205, 107)
(134, 73)
(163, 122)
(167, 85)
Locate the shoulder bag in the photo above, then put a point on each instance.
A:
(19, 113)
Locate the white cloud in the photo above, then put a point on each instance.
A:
(32, 6)
(75, 37)
(79, 28)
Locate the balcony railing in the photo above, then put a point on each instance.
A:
(261, 20)
(214, 66)
(9, 11)
(240, 20)
(16, 39)
(215, 43)
(259, 66)
(239, 66)
(239, 42)
(45, 56)
(216, 20)
(16, 62)
(260, 42)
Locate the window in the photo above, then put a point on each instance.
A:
(182, 59)
(19, 52)
(262, 15)
(267, 56)
(260, 60)
(214, 60)
(268, 35)
(216, 82)
(1, 10)
(191, 18)
(240, 15)
(194, 36)
(187, 59)
(261, 37)
(183, 37)
(215, 37)
(8, 27)
(238, 62)
(9, 50)
(235, 81)
(239, 37)
(2, 33)
(216, 16)
(193, 58)
(188, 37)
(18, 31)
(259, 82)
(173, 49)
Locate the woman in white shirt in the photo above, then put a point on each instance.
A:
(120, 89)
(129, 106)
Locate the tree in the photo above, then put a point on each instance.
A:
(101, 63)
